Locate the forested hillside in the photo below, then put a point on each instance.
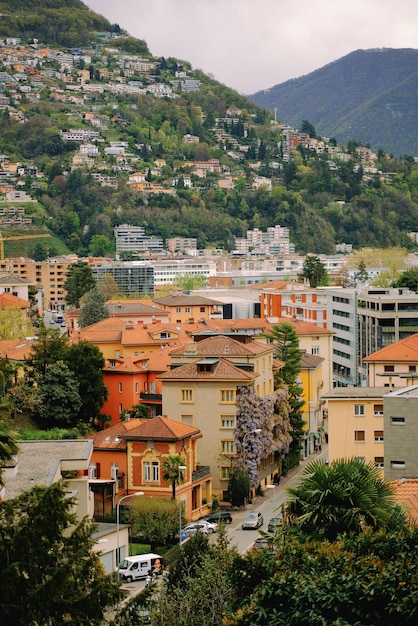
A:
(368, 95)
(108, 134)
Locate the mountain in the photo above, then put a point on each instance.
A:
(102, 133)
(370, 96)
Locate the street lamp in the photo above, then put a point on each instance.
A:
(129, 495)
(250, 432)
(181, 468)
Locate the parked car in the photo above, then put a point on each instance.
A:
(252, 520)
(191, 529)
(219, 516)
(274, 523)
(211, 527)
(263, 543)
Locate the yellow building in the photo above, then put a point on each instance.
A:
(201, 390)
(356, 423)
(312, 383)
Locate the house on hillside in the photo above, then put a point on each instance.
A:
(190, 309)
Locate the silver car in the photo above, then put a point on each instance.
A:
(252, 520)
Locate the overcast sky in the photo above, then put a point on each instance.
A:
(251, 45)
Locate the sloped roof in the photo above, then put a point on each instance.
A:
(404, 350)
(301, 327)
(406, 492)
(124, 307)
(157, 361)
(107, 330)
(12, 279)
(222, 346)
(161, 429)
(311, 361)
(224, 370)
(8, 300)
(186, 300)
(110, 438)
(146, 334)
(16, 349)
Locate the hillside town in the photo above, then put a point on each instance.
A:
(201, 363)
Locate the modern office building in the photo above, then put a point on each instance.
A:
(134, 277)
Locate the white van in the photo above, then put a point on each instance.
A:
(140, 566)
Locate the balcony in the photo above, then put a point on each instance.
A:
(201, 472)
(151, 397)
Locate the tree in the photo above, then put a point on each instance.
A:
(189, 282)
(49, 573)
(408, 280)
(314, 270)
(172, 472)
(58, 398)
(155, 520)
(79, 281)
(87, 362)
(238, 486)
(8, 447)
(367, 578)
(362, 275)
(308, 128)
(15, 324)
(93, 308)
(344, 496)
(50, 348)
(108, 286)
(286, 349)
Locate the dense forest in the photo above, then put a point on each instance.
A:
(310, 193)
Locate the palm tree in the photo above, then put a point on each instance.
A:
(8, 447)
(172, 472)
(345, 496)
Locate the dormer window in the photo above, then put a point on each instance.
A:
(112, 363)
(207, 365)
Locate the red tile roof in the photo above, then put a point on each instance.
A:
(8, 300)
(162, 429)
(220, 345)
(404, 350)
(110, 438)
(223, 370)
(406, 492)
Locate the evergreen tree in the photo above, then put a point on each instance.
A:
(314, 270)
(58, 399)
(93, 308)
(79, 281)
(286, 349)
(50, 348)
(8, 447)
(49, 573)
(86, 362)
(362, 275)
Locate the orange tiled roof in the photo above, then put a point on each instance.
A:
(150, 334)
(107, 330)
(404, 350)
(8, 300)
(16, 349)
(223, 370)
(158, 361)
(110, 438)
(406, 492)
(220, 345)
(163, 429)
(301, 327)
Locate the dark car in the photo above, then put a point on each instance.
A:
(262, 543)
(274, 523)
(219, 516)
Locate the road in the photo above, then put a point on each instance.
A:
(268, 504)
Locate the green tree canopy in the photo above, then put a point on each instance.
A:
(344, 496)
(314, 270)
(408, 279)
(49, 573)
(172, 472)
(58, 399)
(8, 447)
(86, 362)
(50, 348)
(93, 308)
(79, 281)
